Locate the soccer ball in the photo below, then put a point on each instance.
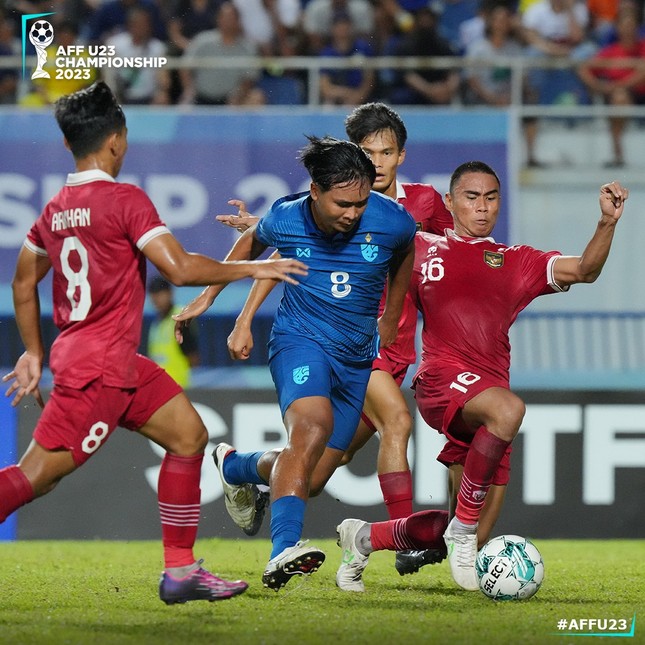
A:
(42, 33)
(509, 567)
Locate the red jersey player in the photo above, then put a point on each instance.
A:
(96, 235)
(470, 290)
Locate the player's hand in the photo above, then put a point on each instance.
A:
(387, 331)
(240, 343)
(279, 270)
(194, 308)
(26, 376)
(612, 200)
(242, 221)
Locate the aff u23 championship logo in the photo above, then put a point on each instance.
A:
(41, 35)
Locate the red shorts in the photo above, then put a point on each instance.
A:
(82, 420)
(396, 370)
(441, 396)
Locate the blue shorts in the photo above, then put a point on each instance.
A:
(301, 368)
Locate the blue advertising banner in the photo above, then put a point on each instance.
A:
(192, 164)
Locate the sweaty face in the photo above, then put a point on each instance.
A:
(340, 208)
(474, 203)
(384, 152)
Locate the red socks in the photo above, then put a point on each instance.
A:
(15, 491)
(179, 496)
(397, 493)
(484, 456)
(422, 530)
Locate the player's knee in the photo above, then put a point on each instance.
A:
(509, 417)
(191, 441)
(398, 428)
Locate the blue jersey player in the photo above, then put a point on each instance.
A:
(324, 338)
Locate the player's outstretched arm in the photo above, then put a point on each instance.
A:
(399, 281)
(31, 268)
(242, 221)
(588, 266)
(240, 340)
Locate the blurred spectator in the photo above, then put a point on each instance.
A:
(619, 85)
(187, 18)
(452, 14)
(602, 16)
(111, 17)
(221, 86)
(9, 46)
(557, 29)
(318, 17)
(610, 35)
(492, 85)
(351, 86)
(162, 346)
(428, 85)
(45, 91)
(138, 85)
(270, 24)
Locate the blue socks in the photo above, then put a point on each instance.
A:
(287, 519)
(242, 468)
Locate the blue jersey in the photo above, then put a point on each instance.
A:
(336, 304)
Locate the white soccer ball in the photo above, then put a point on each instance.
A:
(509, 567)
(42, 33)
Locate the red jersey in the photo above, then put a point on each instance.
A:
(93, 231)
(618, 51)
(470, 292)
(426, 206)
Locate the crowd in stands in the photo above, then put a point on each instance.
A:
(586, 32)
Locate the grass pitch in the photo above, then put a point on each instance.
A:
(105, 593)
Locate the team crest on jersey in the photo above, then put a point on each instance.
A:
(492, 259)
(303, 253)
(301, 374)
(369, 251)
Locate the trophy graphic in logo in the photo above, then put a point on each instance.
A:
(41, 36)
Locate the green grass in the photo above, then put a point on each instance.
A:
(105, 593)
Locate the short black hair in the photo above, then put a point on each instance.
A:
(371, 118)
(87, 117)
(334, 162)
(471, 166)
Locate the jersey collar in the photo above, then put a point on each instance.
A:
(400, 191)
(468, 240)
(87, 176)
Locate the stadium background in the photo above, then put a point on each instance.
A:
(578, 359)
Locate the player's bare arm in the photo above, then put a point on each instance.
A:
(31, 268)
(587, 267)
(242, 221)
(398, 283)
(240, 340)
(247, 247)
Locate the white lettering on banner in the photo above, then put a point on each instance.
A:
(182, 201)
(541, 425)
(259, 427)
(209, 483)
(430, 477)
(16, 216)
(604, 453)
(261, 186)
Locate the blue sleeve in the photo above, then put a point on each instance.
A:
(264, 230)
